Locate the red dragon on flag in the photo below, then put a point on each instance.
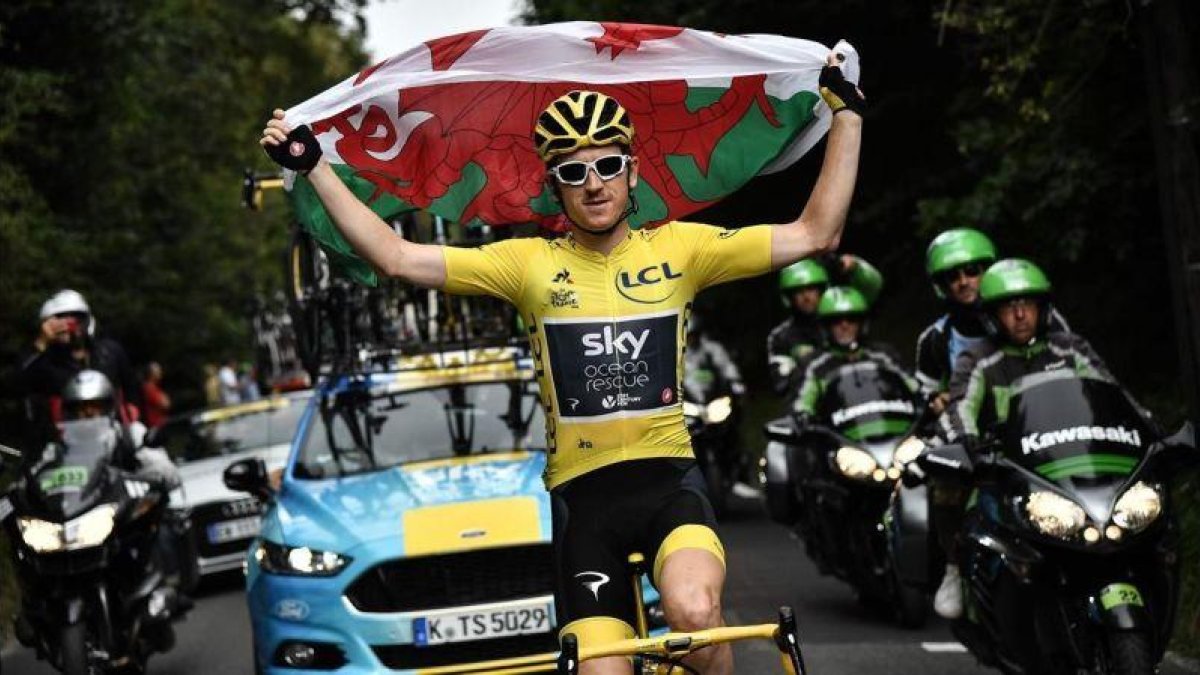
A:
(447, 126)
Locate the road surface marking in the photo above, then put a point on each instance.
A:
(943, 647)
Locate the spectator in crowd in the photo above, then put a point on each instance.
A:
(212, 385)
(248, 383)
(228, 379)
(157, 403)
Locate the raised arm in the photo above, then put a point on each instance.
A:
(373, 239)
(819, 227)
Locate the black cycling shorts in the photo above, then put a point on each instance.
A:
(649, 506)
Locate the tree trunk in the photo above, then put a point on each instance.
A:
(1174, 101)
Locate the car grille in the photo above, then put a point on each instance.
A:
(406, 657)
(453, 580)
(214, 512)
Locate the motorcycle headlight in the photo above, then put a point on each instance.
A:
(299, 560)
(40, 535)
(692, 409)
(908, 450)
(90, 529)
(1055, 515)
(855, 463)
(1137, 508)
(719, 410)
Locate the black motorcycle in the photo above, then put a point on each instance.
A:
(830, 478)
(1069, 551)
(711, 411)
(94, 596)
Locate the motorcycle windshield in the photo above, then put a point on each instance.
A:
(69, 484)
(1077, 432)
(866, 403)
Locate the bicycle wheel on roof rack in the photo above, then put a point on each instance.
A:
(306, 273)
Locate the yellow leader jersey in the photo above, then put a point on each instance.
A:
(607, 332)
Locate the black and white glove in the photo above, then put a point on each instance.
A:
(300, 152)
(840, 94)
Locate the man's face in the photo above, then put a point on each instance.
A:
(597, 203)
(844, 330)
(806, 299)
(86, 410)
(961, 284)
(63, 328)
(1018, 319)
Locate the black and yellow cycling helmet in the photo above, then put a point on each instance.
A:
(581, 119)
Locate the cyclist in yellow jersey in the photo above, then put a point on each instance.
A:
(606, 310)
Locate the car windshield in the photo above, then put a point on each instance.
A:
(358, 431)
(223, 431)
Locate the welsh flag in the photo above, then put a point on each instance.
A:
(446, 126)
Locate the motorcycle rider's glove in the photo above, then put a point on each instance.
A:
(840, 94)
(300, 152)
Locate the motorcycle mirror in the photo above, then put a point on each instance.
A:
(249, 475)
(948, 463)
(1186, 436)
(1178, 451)
(781, 429)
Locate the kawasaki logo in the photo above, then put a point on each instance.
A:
(625, 342)
(1040, 441)
(871, 408)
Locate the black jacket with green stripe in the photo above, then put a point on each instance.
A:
(986, 376)
(821, 368)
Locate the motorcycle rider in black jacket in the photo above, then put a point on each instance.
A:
(1021, 349)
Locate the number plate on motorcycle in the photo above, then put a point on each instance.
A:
(1115, 595)
(232, 530)
(464, 624)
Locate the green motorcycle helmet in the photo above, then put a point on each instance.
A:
(1014, 278)
(955, 248)
(842, 301)
(807, 272)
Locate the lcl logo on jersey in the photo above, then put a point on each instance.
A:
(642, 286)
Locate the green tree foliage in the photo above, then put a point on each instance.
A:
(124, 128)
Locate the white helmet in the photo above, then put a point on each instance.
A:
(68, 301)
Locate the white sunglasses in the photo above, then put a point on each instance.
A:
(575, 173)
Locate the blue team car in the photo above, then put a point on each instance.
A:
(410, 530)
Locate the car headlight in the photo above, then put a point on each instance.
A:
(692, 409)
(298, 560)
(719, 410)
(90, 529)
(855, 463)
(1138, 507)
(1055, 515)
(908, 450)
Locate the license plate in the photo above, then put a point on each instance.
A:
(232, 530)
(459, 625)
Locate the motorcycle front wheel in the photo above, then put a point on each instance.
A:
(72, 650)
(1126, 653)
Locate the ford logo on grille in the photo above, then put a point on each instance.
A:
(242, 507)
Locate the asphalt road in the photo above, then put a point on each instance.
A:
(766, 569)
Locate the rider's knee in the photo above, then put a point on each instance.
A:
(695, 607)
